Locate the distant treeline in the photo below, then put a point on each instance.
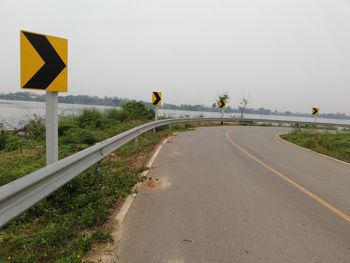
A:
(115, 101)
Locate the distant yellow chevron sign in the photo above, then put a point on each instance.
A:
(44, 61)
(315, 111)
(221, 104)
(157, 98)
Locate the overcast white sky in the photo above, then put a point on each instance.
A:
(287, 54)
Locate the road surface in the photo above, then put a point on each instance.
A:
(238, 194)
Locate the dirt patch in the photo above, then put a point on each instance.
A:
(112, 158)
(155, 183)
(141, 159)
(8, 156)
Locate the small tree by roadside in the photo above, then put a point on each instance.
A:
(245, 100)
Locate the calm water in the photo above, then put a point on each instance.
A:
(12, 112)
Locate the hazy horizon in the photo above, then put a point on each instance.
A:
(289, 55)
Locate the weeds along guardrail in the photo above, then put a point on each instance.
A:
(18, 196)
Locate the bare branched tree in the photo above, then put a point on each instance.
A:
(245, 100)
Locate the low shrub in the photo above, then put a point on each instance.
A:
(66, 124)
(136, 110)
(35, 128)
(15, 142)
(92, 118)
(116, 114)
(79, 136)
(3, 137)
(246, 123)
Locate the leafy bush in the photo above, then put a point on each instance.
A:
(15, 142)
(3, 137)
(117, 114)
(79, 136)
(35, 128)
(66, 124)
(94, 119)
(137, 110)
(89, 118)
(246, 123)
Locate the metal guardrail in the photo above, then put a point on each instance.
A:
(21, 194)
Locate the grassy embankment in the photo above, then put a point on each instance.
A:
(336, 144)
(63, 226)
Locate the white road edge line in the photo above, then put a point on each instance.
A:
(128, 201)
(278, 138)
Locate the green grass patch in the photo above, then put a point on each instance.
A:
(336, 145)
(314, 127)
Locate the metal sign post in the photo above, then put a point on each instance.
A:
(222, 116)
(51, 127)
(155, 115)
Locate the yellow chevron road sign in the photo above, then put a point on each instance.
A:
(221, 104)
(44, 61)
(315, 111)
(157, 98)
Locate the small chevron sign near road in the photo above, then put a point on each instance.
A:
(315, 111)
(221, 104)
(157, 102)
(43, 62)
(157, 98)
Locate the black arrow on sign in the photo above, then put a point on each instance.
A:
(222, 104)
(314, 111)
(53, 63)
(158, 98)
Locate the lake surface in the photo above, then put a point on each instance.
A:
(12, 112)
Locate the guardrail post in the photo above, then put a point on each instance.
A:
(98, 174)
(136, 143)
(98, 169)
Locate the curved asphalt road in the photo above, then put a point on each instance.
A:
(237, 194)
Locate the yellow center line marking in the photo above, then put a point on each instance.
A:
(290, 181)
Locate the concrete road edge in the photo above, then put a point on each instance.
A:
(128, 201)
